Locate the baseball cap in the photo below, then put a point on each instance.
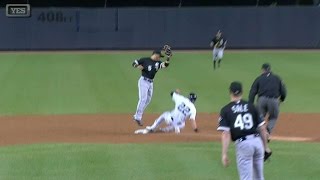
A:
(158, 52)
(236, 88)
(266, 66)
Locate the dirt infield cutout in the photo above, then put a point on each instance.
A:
(119, 128)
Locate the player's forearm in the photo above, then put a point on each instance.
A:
(165, 63)
(194, 125)
(225, 139)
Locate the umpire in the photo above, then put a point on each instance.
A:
(270, 90)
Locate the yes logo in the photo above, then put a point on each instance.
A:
(149, 68)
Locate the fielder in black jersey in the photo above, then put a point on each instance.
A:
(240, 122)
(149, 67)
(218, 44)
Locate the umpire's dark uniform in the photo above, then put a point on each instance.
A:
(270, 90)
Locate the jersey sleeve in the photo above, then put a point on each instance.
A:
(214, 40)
(254, 90)
(223, 124)
(283, 90)
(139, 61)
(175, 96)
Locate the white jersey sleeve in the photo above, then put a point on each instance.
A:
(176, 97)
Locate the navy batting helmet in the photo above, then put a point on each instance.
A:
(192, 97)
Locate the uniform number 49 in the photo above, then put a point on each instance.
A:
(244, 122)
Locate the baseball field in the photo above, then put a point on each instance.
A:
(68, 115)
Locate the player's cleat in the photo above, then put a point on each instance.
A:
(149, 129)
(141, 131)
(139, 122)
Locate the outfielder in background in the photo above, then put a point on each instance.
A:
(271, 91)
(175, 120)
(240, 122)
(218, 44)
(149, 66)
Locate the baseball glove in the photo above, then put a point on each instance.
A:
(267, 155)
(167, 50)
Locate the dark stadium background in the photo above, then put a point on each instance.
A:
(162, 3)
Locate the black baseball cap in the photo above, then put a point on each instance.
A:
(236, 88)
(266, 66)
(158, 52)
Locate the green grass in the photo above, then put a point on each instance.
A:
(67, 83)
(198, 161)
(64, 83)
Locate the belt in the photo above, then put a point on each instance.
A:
(147, 79)
(251, 136)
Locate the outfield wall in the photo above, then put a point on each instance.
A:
(144, 28)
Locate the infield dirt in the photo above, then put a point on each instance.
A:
(119, 128)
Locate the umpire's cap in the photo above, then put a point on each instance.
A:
(236, 88)
(158, 52)
(266, 67)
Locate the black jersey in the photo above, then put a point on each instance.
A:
(240, 118)
(268, 85)
(219, 42)
(150, 67)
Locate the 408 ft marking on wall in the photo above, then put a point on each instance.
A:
(54, 16)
